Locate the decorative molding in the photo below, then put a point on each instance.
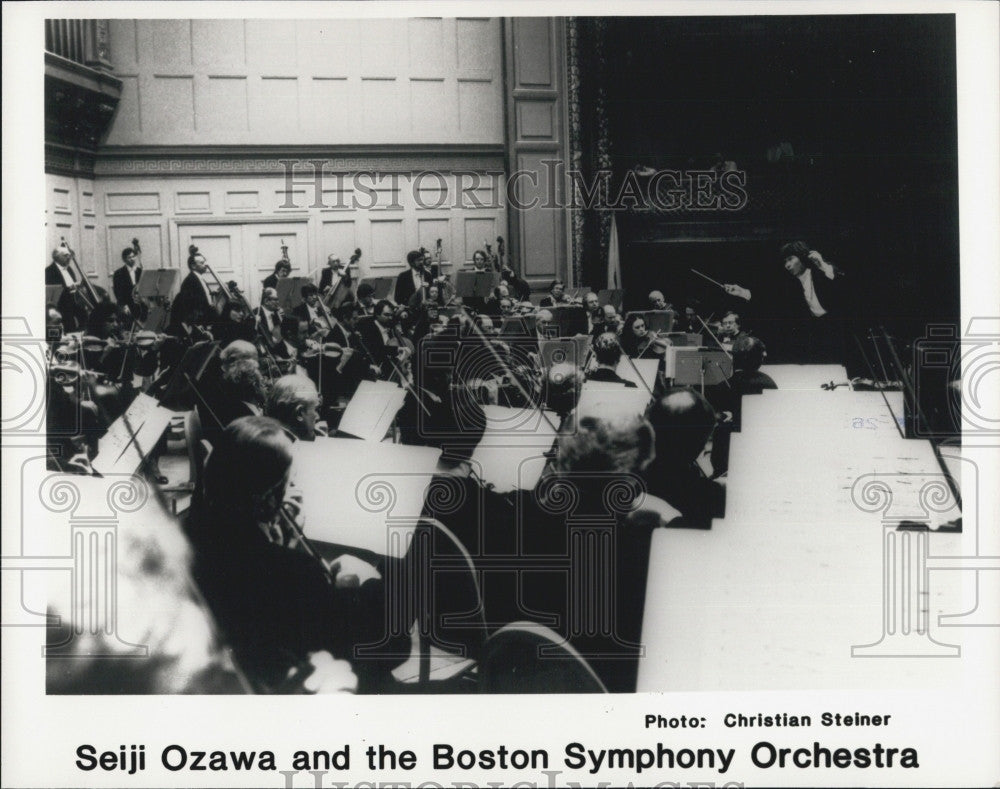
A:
(193, 160)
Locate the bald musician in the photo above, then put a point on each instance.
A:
(657, 301)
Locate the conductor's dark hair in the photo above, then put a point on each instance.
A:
(607, 349)
(308, 290)
(193, 255)
(684, 421)
(798, 248)
(127, 252)
(748, 354)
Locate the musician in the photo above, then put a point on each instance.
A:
(277, 605)
(492, 304)
(53, 326)
(479, 260)
(294, 402)
(557, 295)
(376, 337)
(610, 321)
(104, 325)
(635, 335)
(592, 304)
(311, 310)
(366, 298)
(562, 388)
(506, 307)
(124, 282)
(413, 279)
(657, 301)
(730, 331)
(59, 272)
(688, 322)
(544, 330)
(282, 270)
(684, 421)
(233, 325)
(236, 389)
(268, 316)
(519, 288)
(194, 294)
(333, 276)
(607, 355)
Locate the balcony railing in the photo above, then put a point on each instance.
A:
(84, 41)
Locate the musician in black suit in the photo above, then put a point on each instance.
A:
(59, 272)
(194, 294)
(375, 333)
(333, 276)
(123, 283)
(607, 354)
(415, 277)
(519, 288)
(282, 269)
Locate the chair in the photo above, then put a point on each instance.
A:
(524, 657)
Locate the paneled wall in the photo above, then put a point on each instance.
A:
(275, 81)
(239, 223)
(537, 139)
(70, 213)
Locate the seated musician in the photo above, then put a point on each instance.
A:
(634, 335)
(311, 310)
(557, 295)
(72, 422)
(607, 355)
(294, 402)
(610, 321)
(268, 315)
(688, 321)
(657, 301)
(592, 305)
(106, 353)
(53, 326)
(376, 338)
(275, 604)
(730, 330)
(282, 270)
(519, 288)
(479, 260)
(562, 388)
(684, 422)
(234, 324)
(366, 298)
(236, 389)
(492, 305)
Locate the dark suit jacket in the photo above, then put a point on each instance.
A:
(271, 281)
(326, 278)
(604, 375)
(122, 285)
(191, 294)
(404, 285)
(828, 291)
(370, 341)
(518, 287)
(73, 317)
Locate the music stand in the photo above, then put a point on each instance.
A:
(702, 367)
(383, 286)
(52, 294)
(570, 319)
(518, 326)
(682, 339)
(612, 296)
(156, 283)
(475, 284)
(656, 320)
(565, 350)
(290, 292)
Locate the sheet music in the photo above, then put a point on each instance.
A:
(642, 372)
(372, 409)
(511, 454)
(379, 491)
(132, 436)
(611, 401)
